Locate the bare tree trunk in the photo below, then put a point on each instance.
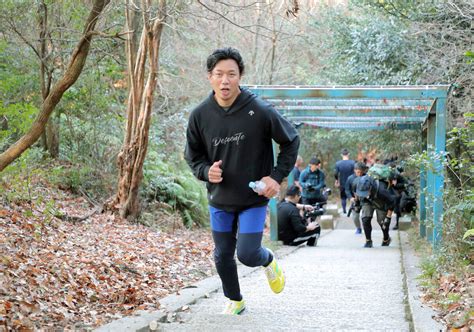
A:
(43, 26)
(274, 42)
(140, 102)
(70, 76)
(50, 137)
(257, 44)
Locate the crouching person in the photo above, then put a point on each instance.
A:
(293, 228)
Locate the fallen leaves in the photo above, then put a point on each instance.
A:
(80, 276)
(453, 300)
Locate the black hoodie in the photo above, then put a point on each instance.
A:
(242, 138)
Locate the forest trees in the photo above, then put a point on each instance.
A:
(143, 51)
(51, 97)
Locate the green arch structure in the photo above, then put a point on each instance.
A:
(374, 108)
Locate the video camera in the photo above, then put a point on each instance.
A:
(355, 206)
(318, 211)
(310, 188)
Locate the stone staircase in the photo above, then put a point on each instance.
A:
(327, 220)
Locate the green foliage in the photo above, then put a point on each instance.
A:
(468, 234)
(21, 184)
(401, 9)
(81, 179)
(175, 185)
(17, 119)
(17, 178)
(458, 218)
(460, 145)
(90, 115)
(429, 269)
(365, 48)
(17, 96)
(458, 196)
(376, 54)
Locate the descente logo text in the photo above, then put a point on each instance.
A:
(236, 138)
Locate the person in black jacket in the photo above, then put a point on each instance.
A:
(398, 186)
(350, 187)
(374, 196)
(293, 229)
(229, 144)
(343, 169)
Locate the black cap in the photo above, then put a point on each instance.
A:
(363, 186)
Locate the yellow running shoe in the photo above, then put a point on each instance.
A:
(234, 307)
(275, 276)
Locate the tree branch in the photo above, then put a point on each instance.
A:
(230, 21)
(73, 70)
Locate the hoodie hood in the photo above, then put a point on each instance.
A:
(242, 100)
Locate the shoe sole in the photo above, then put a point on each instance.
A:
(386, 244)
(283, 281)
(234, 314)
(282, 274)
(240, 312)
(280, 290)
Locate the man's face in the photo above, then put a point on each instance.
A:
(225, 80)
(314, 167)
(358, 172)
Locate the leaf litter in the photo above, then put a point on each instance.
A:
(63, 275)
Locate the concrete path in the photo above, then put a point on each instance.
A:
(336, 286)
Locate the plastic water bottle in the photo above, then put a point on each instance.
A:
(257, 186)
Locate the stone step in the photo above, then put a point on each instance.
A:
(332, 209)
(327, 221)
(404, 223)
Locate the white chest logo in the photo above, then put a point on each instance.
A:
(235, 138)
(251, 112)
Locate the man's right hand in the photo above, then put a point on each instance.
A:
(215, 172)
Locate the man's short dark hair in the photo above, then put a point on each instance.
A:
(315, 161)
(293, 191)
(360, 165)
(225, 54)
(345, 152)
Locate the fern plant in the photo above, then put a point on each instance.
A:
(176, 186)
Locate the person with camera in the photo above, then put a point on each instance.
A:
(313, 183)
(293, 228)
(374, 196)
(350, 187)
